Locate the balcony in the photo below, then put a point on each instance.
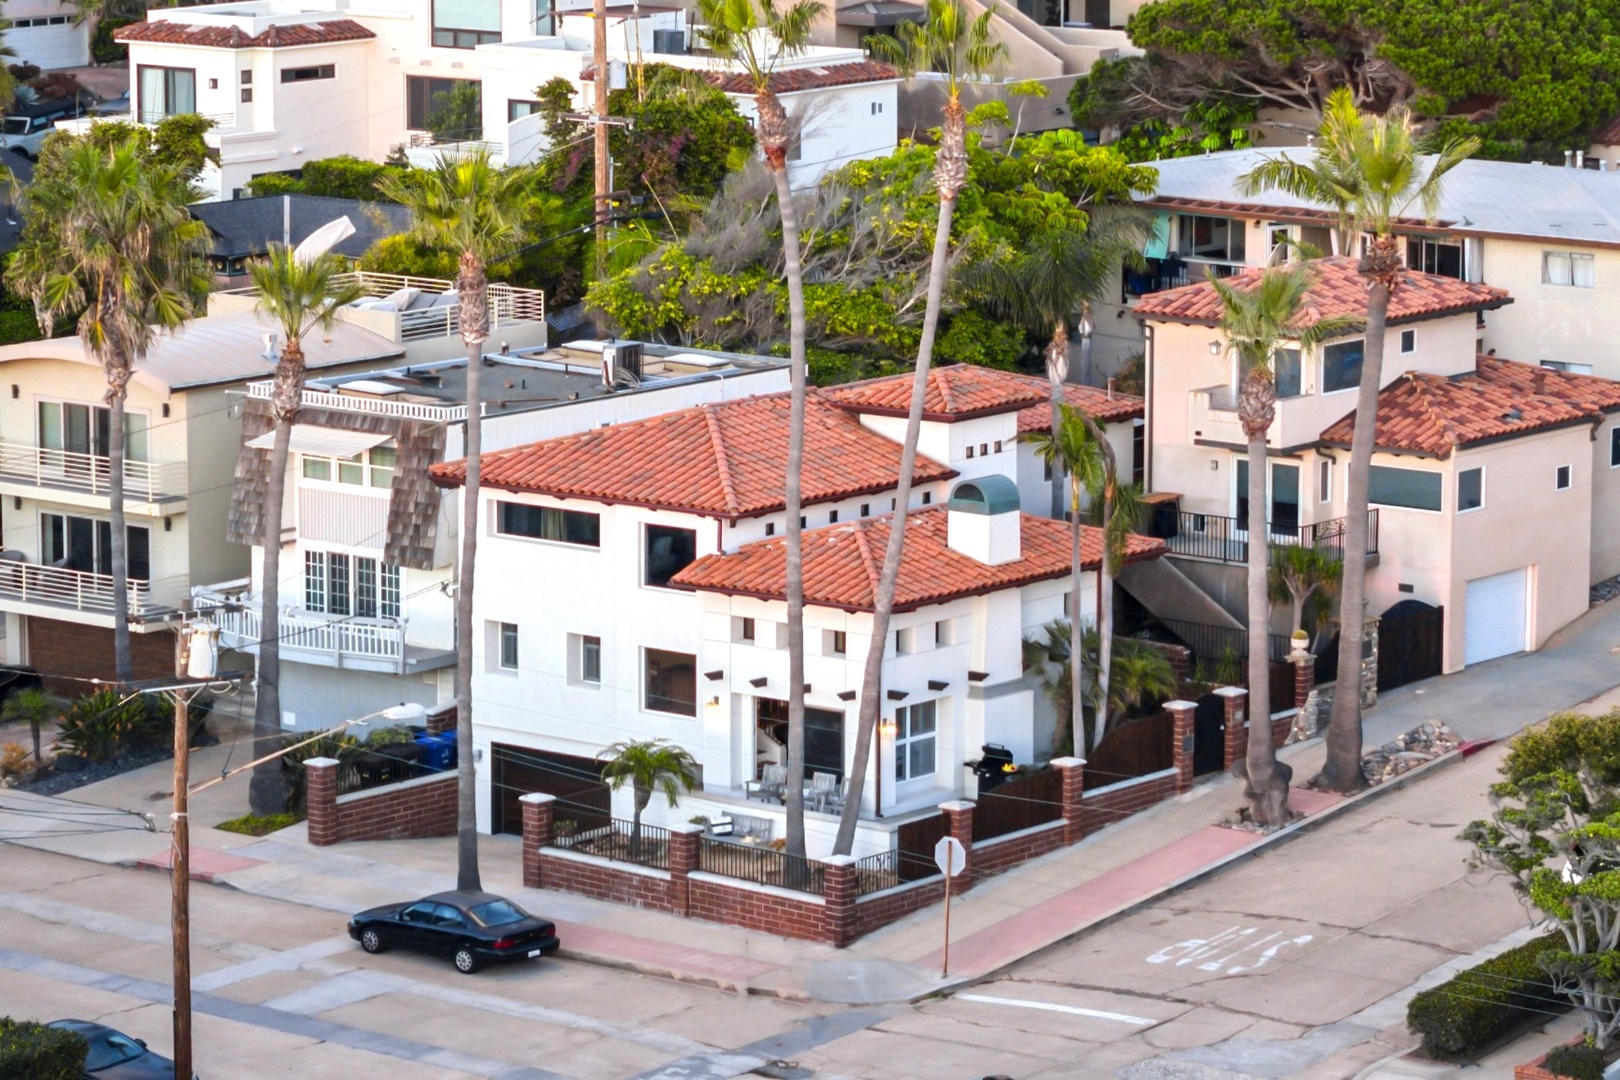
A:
(1226, 539)
(148, 488)
(1157, 275)
(31, 589)
(350, 642)
(1212, 416)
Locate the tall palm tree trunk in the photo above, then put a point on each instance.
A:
(267, 791)
(473, 289)
(952, 139)
(1077, 697)
(1341, 771)
(116, 395)
(1266, 792)
(1105, 622)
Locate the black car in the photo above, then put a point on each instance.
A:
(115, 1056)
(472, 928)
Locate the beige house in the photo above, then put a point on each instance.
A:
(1471, 450)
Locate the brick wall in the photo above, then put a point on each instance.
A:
(881, 909)
(1004, 852)
(1102, 807)
(409, 810)
(86, 652)
(622, 883)
(765, 908)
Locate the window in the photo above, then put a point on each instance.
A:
(928, 497)
(914, 740)
(832, 517)
(517, 109)
(165, 92)
(970, 453)
(371, 468)
(838, 641)
(1408, 341)
(308, 74)
(84, 429)
(945, 632)
(770, 528)
(1568, 268)
(1210, 238)
(670, 681)
(905, 641)
(745, 630)
(549, 523)
(1470, 490)
(866, 509)
(1614, 447)
(247, 96)
(1564, 365)
(669, 551)
(340, 584)
(590, 658)
(509, 646)
(425, 97)
(877, 108)
(466, 24)
(1290, 382)
(1411, 488)
(1324, 481)
(247, 76)
(1442, 257)
(1562, 478)
(85, 544)
(1341, 366)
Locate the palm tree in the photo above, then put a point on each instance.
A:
(755, 35)
(109, 237)
(1373, 171)
(466, 205)
(1258, 318)
(958, 48)
(1300, 574)
(33, 707)
(1118, 509)
(1142, 673)
(300, 294)
(648, 766)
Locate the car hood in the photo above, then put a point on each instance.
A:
(145, 1067)
(383, 912)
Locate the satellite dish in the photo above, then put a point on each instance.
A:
(323, 240)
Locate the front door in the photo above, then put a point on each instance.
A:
(1283, 513)
(823, 738)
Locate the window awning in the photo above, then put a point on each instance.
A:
(880, 13)
(310, 439)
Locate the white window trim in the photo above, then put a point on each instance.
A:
(500, 647)
(1321, 367)
(1546, 279)
(1324, 491)
(1482, 481)
(1566, 487)
(334, 484)
(1400, 341)
(902, 743)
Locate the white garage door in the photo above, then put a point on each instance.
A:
(1496, 622)
(49, 44)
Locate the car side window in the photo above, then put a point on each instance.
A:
(449, 916)
(419, 913)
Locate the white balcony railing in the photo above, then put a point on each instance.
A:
(409, 410)
(90, 473)
(79, 590)
(369, 644)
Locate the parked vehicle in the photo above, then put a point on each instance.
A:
(116, 1056)
(26, 124)
(472, 928)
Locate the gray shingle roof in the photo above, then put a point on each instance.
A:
(245, 227)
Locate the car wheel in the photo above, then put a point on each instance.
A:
(371, 941)
(466, 960)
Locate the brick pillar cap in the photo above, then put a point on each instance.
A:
(537, 797)
(956, 806)
(1232, 691)
(686, 829)
(839, 860)
(1067, 762)
(1179, 705)
(321, 763)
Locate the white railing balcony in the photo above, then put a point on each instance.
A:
(409, 410)
(329, 640)
(144, 481)
(79, 590)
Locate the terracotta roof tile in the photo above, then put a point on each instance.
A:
(795, 80)
(1436, 414)
(1337, 290)
(1609, 133)
(959, 391)
(179, 32)
(841, 563)
(726, 460)
(1088, 399)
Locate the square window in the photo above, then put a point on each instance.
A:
(945, 632)
(317, 468)
(905, 641)
(670, 681)
(1470, 490)
(669, 551)
(247, 96)
(509, 646)
(1562, 478)
(247, 77)
(1341, 366)
(1408, 341)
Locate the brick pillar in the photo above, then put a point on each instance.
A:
(320, 800)
(1304, 681)
(840, 887)
(537, 810)
(684, 844)
(1181, 740)
(960, 816)
(1235, 701)
(441, 721)
(1074, 783)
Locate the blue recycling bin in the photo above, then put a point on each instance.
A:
(447, 742)
(435, 755)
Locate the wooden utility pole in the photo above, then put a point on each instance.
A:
(180, 862)
(603, 179)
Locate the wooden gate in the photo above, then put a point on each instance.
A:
(914, 842)
(1209, 735)
(1134, 748)
(1410, 637)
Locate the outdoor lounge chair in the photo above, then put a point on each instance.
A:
(770, 785)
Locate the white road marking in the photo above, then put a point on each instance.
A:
(1046, 1006)
(1219, 951)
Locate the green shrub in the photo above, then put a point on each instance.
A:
(345, 177)
(1578, 1062)
(31, 1051)
(275, 183)
(397, 735)
(104, 724)
(1475, 1006)
(19, 326)
(339, 745)
(103, 49)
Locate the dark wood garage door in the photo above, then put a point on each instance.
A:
(577, 783)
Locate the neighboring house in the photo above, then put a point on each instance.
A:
(367, 614)
(1494, 488)
(631, 587)
(242, 230)
(42, 33)
(1546, 234)
(288, 86)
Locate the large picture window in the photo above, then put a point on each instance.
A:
(450, 108)
(166, 92)
(1210, 238)
(466, 24)
(83, 429)
(670, 681)
(1411, 488)
(1441, 257)
(915, 740)
(81, 543)
(549, 523)
(340, 584)
(669, 551)
(1341, 365)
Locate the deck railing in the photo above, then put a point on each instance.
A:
(91, 473)
(1214, 536)
(241, 626)
(763, 866)
(81, 590)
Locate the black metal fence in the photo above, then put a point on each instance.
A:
(763, 866)
(1211, 643)
(1214, 536)
(621, 841)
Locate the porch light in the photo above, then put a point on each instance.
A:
(1215, 348)
(888, 728)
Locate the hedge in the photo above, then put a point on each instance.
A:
(18, 326)
(1467, 1011)
(1579, 1062)
(31, 1051)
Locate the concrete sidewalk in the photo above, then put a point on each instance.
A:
(997, 922)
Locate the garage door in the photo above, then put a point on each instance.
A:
(49, 43)
(1496, 622)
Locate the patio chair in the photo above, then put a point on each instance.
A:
(823, 786)
(770, 785)
(834, 802)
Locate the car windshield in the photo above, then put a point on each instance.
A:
(15, 125)
(111, 1049)
(497, 913)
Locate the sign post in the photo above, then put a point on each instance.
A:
(951, 858)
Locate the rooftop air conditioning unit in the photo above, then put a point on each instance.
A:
(621, 364)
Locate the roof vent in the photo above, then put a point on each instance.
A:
(982, 520)
(1513, 414)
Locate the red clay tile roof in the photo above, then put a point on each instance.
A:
(795, 80)
(1089, 400)
(959, 391)
(1337, 290)
(842, 563)
(179, 32)
(725, 460)
(1436, 414)
(1609, 133)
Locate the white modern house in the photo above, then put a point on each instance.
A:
(630, 586)
(288, 82)
(370, 545)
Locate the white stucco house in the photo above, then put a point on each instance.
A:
(630, 586)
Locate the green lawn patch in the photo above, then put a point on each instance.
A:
(259, 824)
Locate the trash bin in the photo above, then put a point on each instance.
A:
(447, 742)
(435, 755)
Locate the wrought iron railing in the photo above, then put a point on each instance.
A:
(622, 841)
(1215, 536)
(763, 866)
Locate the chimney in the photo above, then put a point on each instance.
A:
(1580, 159)
(983, 522)
(1569, 158)
(1110, 388)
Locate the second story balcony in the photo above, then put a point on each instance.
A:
(53, 591)
(34, 471)
(350, 642)
(1226, 539)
